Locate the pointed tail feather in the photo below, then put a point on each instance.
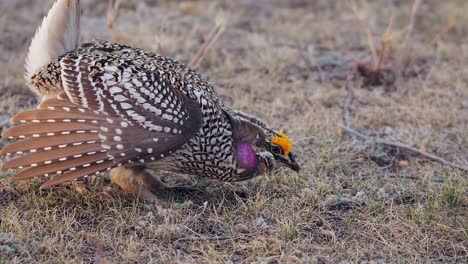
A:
(45, 143)
(60, 167)
(57, 35)
(66, 141)
(38, 129)
(81, 172)
(45, 157)
(46, 115)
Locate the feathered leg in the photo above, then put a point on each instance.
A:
(143, 184)
(138, 181)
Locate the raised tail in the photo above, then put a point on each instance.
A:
(58, 138)
(58, 34)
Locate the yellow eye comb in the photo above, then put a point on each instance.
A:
(283, 141)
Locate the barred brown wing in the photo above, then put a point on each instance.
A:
(120, 114)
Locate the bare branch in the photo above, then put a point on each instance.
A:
(406, 45)
(348, 128)
(211, 39)
(349, 102)
(361, 17)
(404, 147)
(204, 238)
(112, 13)
(414, 12)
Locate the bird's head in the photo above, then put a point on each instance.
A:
(260, 150)
(280, 146)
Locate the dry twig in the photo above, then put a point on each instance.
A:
(414, 12)
(112, 13)
(204, 238)
(211, 39)
(349, 102)
(406, 47)
(445, 30)
(348, 128)
(361, 18)
(404, 147)
(374, 71)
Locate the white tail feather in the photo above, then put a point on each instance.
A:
(58, 34)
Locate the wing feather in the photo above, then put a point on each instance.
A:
(111, 113)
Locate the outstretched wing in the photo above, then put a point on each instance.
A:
(112, 113)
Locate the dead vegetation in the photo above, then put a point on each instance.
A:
(350, 81)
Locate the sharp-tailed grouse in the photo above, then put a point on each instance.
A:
(107, 106)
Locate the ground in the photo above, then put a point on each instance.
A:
(295, 64)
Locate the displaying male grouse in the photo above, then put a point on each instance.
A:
(107, 106)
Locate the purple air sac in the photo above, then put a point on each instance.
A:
(246, 156)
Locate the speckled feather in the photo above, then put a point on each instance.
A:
(131, 107)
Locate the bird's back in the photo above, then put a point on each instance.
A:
(48, 79)
(107, 105)
(209, 152)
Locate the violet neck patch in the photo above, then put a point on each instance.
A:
(246, 155)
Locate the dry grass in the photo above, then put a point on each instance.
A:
(287, 62)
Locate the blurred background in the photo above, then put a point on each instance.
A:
(390, 69)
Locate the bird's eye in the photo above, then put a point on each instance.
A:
(275, 149)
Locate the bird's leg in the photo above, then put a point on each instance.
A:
(138, 181)
(143, 184)
(155, 185)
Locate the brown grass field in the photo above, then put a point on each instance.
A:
(398, 67)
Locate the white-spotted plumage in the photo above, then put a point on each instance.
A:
(113, 105)
(58, 34)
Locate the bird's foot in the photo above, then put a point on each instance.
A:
(136, 181)
(147, 187)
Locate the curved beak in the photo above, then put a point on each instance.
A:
(290, 163)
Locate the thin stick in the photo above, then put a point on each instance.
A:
(404, 147)
(213, 36)
(370, 42)
(348, 103)
(370, 39)
(414, 11)
(406, 47)
(442, 33)
(112, 13)
(384, 39)
(348, 128)
(203, 238)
